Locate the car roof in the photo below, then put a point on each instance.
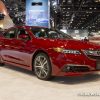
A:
(28, 27)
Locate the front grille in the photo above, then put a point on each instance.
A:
(75, 69)
(95, 57)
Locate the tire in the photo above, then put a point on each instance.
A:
(1, 64)
(42, 66)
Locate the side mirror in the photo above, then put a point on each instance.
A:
(23, 37)
(86, 40)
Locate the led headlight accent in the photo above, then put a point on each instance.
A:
(58, 49)
(92, 52)
(66, 51)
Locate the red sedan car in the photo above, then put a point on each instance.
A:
(48, 52)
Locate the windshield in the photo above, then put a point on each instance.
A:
(49, 33)
(63, 35)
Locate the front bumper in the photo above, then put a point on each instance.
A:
(77, 70)
(73, 65)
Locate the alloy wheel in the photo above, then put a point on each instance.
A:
(42, 66)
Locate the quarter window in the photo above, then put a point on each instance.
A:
(10, 34)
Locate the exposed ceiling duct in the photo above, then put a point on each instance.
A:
(77, 14)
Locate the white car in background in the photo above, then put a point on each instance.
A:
(95, 39)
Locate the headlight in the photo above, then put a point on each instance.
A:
(66, 51)
(92, 52)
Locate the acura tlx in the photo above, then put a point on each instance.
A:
(48, 52)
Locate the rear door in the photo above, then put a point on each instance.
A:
(8, 39)
(17, 50)
(23, 48)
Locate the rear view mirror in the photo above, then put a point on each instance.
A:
(86, 39)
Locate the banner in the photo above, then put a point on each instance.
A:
(37, 13)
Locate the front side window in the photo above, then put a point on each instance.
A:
(49, 33)
(38, 32)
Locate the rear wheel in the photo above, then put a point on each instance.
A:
(1, 63)
(42, 66)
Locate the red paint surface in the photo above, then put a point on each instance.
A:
(20, 53)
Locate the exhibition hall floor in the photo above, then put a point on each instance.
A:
(19, 84)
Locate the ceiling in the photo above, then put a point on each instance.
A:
(16, 10)
(69, 14)
(76, 14)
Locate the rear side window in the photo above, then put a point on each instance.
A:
(23, 32)
(10, 33)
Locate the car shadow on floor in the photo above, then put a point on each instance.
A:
(77, 79)
(62, 80)
(20, 70)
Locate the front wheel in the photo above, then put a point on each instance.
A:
(42, 66)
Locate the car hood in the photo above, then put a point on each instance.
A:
(77, 44)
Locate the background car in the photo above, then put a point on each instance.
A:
(48, 52)
(95, 39)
